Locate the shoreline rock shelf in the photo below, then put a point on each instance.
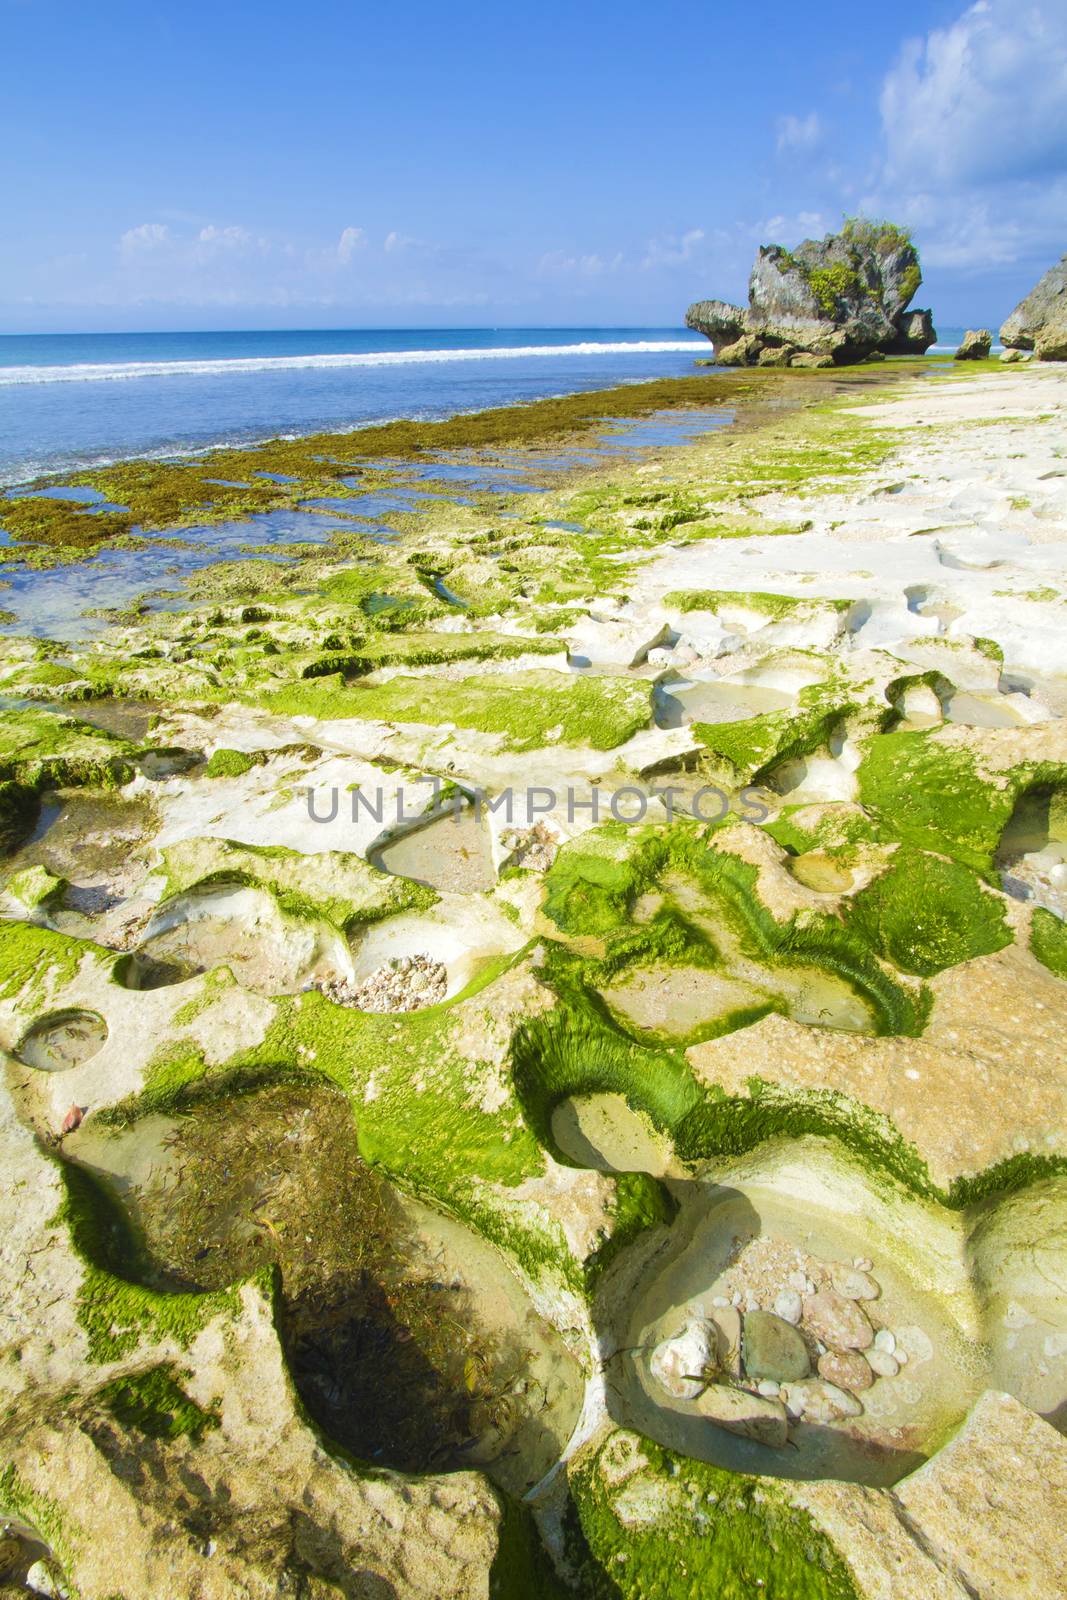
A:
(389, 1184)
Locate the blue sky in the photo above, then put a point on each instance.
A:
(341, 164)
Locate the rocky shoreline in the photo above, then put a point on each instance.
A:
(545, 1179)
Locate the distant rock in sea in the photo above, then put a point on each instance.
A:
(834, 300)
(975, 345)
(1039, 323)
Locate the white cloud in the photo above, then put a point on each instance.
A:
(149, 236)
(351, 240)
(974, 123)
(799, 133)
(983, 100)
(231, 238)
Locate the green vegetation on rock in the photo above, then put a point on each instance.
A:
(654, 1525)
(155, 1403)
(1048, 941)
(925, 914)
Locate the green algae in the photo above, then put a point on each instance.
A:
(750, 748)
(521, 1568)
(932, 795)
(775, 606)
(225, 763)
(36, 961)
(1048, 941)
(528, 710)
(704, 1531)
(155, 1404)
(38, 748)
(35, 887)
(592, 887)
(925, 914)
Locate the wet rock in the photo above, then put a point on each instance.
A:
(976, 345)
(679, 1363)
(819, 1401)
(854, 1284)
(727, 1321)
(808, 359)
(773, 1348)
(847, 1369)
(841, 1324)
(776, 355)
(752, 1415)
(743, 352)
(882, 1363)
(789, 1306)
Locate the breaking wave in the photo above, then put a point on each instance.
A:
(125, 371)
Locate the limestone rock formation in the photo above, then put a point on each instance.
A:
(839, 299)
(975, 345)
(915, 333)
(1039, 322)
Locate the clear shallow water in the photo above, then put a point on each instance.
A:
(69, 400)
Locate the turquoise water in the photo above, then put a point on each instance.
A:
(70, 400)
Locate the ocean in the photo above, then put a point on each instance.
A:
(77, 400)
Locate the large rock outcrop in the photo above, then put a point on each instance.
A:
(1039, 323)
(837, 299)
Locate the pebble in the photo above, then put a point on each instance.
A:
(677, 1363)
(407, 983)
(40, 1581)
(862, 1263)
(751, 1415)
(727, 1320)
(788, 1306)
(853, 1284)
(884, 1340)
(768, 1388)
(773, 1348)
(839, 1322)
(882, 1363)
(847, 1369)
(819, 1401)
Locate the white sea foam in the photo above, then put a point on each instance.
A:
(123, 371)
